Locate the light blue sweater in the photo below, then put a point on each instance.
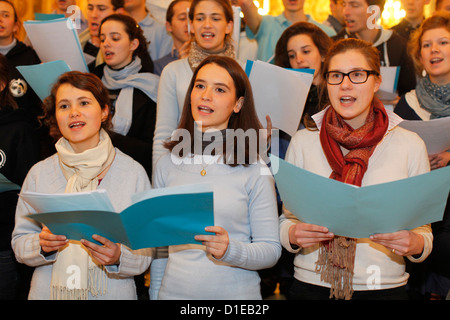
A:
(245, 206)
(124, 178)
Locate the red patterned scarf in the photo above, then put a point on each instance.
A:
(336, 257)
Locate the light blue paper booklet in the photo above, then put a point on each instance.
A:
(358, 212)
(47, 16)
(41, 77)
(56, 39)
(157, 217)
(6, 185)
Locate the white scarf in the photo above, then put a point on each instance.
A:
(74, 273)
(127, 79)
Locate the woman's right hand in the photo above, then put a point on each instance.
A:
(306, 235)
(50, 242)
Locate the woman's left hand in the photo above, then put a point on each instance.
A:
(439, 160)
(403, 243)
(216, 244)
(107, 254)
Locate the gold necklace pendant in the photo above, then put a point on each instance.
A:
(203, 172)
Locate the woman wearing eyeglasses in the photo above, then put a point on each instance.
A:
(356, 141)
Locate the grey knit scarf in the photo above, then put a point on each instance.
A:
(434, 98)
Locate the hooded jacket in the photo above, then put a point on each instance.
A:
(22, 55)
(19, 151)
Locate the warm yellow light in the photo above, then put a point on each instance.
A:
(392, 13)
(264, 9)
(319, 10)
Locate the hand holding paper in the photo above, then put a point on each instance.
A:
(217, 244)
(106, 254)
(355, 212)
(50, 242)
(306, 235)
(158, 217)
(404, 242)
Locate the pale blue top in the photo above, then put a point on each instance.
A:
(160, 40)
(124, 178)
(245, 206)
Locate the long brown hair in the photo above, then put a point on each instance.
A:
(83, 81)
(321, 40)
(246, 119)
(134, 31)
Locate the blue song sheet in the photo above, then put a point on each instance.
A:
(157, 217)
(47, 16)
(359, 212)
(6, 185)
(41, 77)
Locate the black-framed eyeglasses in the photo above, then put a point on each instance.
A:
(355, 76)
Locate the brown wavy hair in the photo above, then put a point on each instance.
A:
(83, 81)
(134, 31)
(321, 40)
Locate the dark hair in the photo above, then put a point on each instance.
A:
(117, 4)
(371, 54)
(6, 98)
(225, 4)
(170, 13)
(245, 119)
(134, 31)
(379, 3)
(440, 19)
(83, 81)
(321, 40)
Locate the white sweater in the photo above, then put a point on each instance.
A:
(401, 154)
